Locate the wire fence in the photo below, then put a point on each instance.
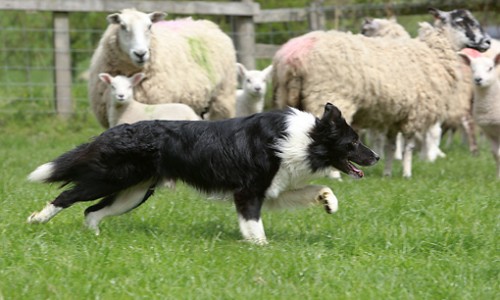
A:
(27, 54)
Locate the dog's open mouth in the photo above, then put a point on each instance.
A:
(354, 171)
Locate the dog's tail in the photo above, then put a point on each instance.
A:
(64, 169)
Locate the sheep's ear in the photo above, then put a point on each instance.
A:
(367, 20)
(497, 59)
(438, 14)
(267, 72)
(105, 77)
(113, 18)
(332, 113)
(136, 78)
(241, 69)
(465, 58)
(157, 16)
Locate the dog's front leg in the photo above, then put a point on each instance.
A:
(248, 207)
(305, 196)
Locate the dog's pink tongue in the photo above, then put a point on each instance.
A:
(358, 172)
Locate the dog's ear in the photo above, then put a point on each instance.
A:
(332, 113)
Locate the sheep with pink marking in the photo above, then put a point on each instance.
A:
(404, 85)
(188, 61)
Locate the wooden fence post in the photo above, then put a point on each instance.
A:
(244, 39)
(316, 16)
(62, 60)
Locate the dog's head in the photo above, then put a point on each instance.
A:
(336, 144)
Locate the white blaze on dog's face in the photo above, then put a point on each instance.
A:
(134, 34)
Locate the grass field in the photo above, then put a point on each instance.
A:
(435, 236)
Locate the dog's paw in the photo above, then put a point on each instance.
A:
(328, 200)
(43, 216)
(34, 218)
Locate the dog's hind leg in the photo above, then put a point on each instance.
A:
(67, 198)
(308, 195)
(248, 207)
(118, 204)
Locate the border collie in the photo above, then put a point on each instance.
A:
(263, 159)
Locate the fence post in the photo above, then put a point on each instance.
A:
(244, 29)
(316, 16)
(62, 60)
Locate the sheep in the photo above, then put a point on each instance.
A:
(375, 27)
(185, 60)
(430, 140)
(122, 108)
(250, 98)
(402, 85)
(486, 106)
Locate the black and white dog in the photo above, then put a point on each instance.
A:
(266, 158)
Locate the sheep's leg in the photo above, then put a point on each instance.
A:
(407, 156)
(495, 149)
(432, 139)
(118, 204)
(398, 150)
(308, 195)
(390, 147)
(469, 128)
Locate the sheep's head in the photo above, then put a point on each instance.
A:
(254, 82)
(483, 69)
(121, 87)
(463, 29)
(134, 33)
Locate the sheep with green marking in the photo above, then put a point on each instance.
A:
(185, 60)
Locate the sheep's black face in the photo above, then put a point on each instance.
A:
(467, 31)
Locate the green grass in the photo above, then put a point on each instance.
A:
(434, 236)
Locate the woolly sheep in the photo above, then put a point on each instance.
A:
(185, 60)
(388, 28)
(122, 108)
(250, 98)
(430, 140)
(402, 85)
(486, 107)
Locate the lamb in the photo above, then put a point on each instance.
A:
(185, 60)
(486, 106)
(122, 108)
(250, 98)
(404, 85)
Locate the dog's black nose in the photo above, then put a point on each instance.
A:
(377, 157)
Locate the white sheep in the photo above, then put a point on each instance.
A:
(185, 60)
(122, 108)
(486, 106)
(250, 98)
(387, 28)
(404, 85)
(430, 140)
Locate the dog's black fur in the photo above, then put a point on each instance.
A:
(240, 155)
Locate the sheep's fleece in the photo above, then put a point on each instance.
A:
(192, 62)
(405, 83)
